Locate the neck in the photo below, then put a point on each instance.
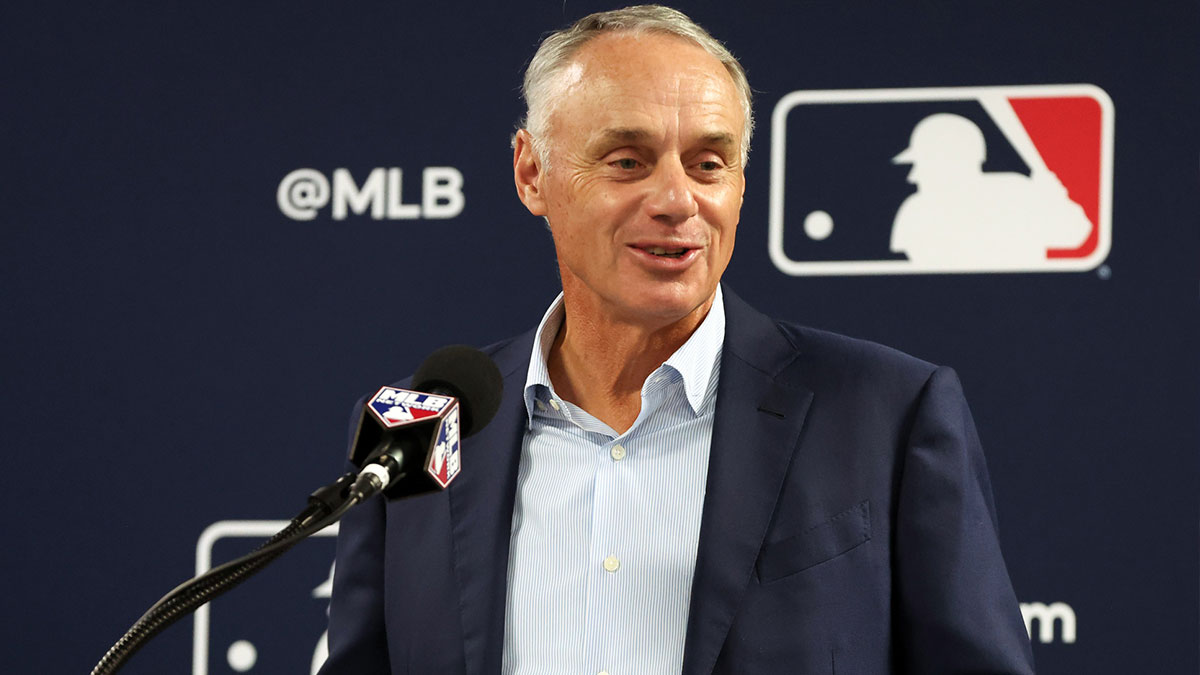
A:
(599, 361)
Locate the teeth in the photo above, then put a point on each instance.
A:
(671, 253)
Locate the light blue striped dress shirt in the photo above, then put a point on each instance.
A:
(606, 526)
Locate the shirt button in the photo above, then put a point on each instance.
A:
(554, 404)
(617, 452)
(611, 564)
(603, 672)
(540, 405)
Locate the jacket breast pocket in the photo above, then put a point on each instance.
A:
(820, 543)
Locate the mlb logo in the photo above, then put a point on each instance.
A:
(400, 407)
(941, 180)
(445, 460)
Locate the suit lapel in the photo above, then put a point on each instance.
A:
(481, 506)
(759, 416)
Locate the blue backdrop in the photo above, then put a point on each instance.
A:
(186, 320)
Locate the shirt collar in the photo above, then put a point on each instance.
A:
(539, 371)
(695, 360)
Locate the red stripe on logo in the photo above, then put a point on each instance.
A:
(1066, 132)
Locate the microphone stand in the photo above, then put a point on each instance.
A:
(325, 507)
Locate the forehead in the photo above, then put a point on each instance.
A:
(646, 80)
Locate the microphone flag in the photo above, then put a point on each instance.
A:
(417, 422)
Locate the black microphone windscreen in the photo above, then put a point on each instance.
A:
(469, 375)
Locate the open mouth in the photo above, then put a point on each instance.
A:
(665, 252)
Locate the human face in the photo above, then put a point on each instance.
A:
(645, 181)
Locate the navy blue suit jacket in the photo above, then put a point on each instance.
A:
(848, 527)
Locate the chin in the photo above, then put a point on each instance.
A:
(665, 305)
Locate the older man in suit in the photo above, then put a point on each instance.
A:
(674, 482)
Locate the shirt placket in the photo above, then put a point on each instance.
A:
(605, 562)
(615, 546)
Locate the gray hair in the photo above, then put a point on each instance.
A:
(557, 50)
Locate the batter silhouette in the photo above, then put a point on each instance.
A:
(963, 218)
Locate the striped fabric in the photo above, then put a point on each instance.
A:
(605, 525)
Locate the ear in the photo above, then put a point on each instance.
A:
(528, 174)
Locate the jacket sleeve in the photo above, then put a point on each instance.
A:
(956, 603)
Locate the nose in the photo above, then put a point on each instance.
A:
(671, 199)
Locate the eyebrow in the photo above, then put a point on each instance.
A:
(721, 138)
(635, 135)
(623, 135)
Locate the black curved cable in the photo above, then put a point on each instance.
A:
(327, 507)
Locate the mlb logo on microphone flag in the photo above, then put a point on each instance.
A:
(400, 407)
(445, 460)
(941, 180)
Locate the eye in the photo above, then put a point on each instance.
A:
(626, 163)
(709, 165)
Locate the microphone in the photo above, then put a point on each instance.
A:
(408, 442)
(400, 432)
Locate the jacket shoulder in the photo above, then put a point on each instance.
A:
(828, 360)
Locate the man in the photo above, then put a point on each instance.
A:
(675, 482)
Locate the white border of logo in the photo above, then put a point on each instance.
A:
(775, 220)
(204, 547)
